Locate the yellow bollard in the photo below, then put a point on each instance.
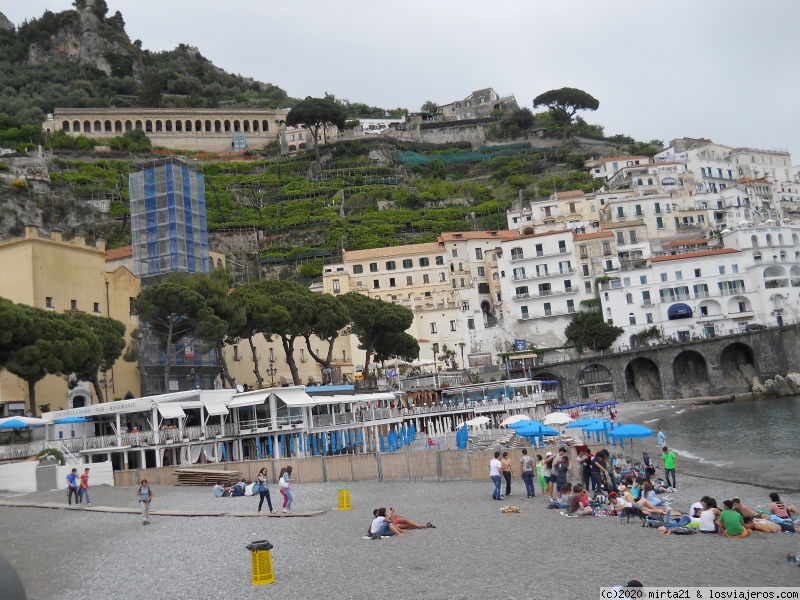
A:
(262, 562)
(344, 498)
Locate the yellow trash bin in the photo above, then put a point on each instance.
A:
(344, 498)
(262, 562)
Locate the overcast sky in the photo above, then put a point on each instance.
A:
(721, 69)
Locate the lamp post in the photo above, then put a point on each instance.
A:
(463, 364)
(271, 371)
(105, 382)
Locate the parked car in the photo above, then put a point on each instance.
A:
(755, 327)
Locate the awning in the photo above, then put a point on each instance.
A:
(249, 398)
(171, 410)
(216, 408)
(679, 311)
(296, 396)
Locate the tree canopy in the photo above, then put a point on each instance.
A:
(564, 103)
(589, 330)
(328, 318)
(316, 113)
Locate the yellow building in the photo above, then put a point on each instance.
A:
(66, 276)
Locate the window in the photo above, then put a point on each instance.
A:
(390, 265)
(373, 267)
(631, 318)
(407, 263)
(735, 268)
(742, 307)
(433, 327)
(646, 298)
(271, 355)
(236, 353)
(585, 269)
(376, 284)
(425, 261)
(629, 298)
(478, 254)
(606, 248)
(697, 272)
(722, 269)
(442, 277)
(562, 247)
(648, 317)
(462, 282)
(643, 279)
(455, 253)
(663, 277)
(609, 265)
(516, 253)
(570, 306)
(336, 288)
(452, 325)
(638, 209)
(524, 312)
(455, 284)
(481, 272)
(48, 303)
(470, 323)
(545, 289)
(632, 235)
(73, 305)
(587, 286)
(620, 237)
(97, 307)
(584, 252)
(568, 286)
(678, 275)
(659, 222)
(392, 282)
(132, 308)
(358, 269)
(465, 306)
(483, 288)
(426, 278)
(541, 270)
(439, 261)
(547, 309)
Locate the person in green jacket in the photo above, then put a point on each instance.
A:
(540, 473)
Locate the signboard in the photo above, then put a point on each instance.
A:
(239, 142)
(188, 347)
(520, 345)
(480, 360)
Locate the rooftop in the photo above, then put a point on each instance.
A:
(579, 237)
(390, 251)
(569, 194)
(691, 255)
(118, 253)
(477, 235)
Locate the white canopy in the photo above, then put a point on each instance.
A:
(171, 410)
(250, 398)
(216, 408)
(295, 396)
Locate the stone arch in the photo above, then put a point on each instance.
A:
(178, 125)
(208, 125)
(255, 125)
(769, 239)
(596, 381)
(642, 380)
(65, 126)
(168, 125)
(738, 365)
(754, 241)
(87, 127)
(138, 125)
(794, 276)
(795, 240)
(302, 146)
(107, 127)
(292, 148)
(217, 126)
(227, 125)
(739, 304)
(117, 126)
(198, 125)
(148, 126)
(159, 126)
(245, 125)
(76, 126)
(79, 401)
(188, 125)
(98, 126)
(236, 125)
(128, 125)
(527, 231)
(709, 307)
(550, 376)
(780, 239)
(690, 372)
(265, 125)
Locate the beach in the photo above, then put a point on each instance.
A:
(475, 551)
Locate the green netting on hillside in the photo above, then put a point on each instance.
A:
(484, 153)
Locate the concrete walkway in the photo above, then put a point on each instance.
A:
(163, 513)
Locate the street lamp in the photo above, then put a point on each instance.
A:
(105, 383)
(271, 371)
(463, 364)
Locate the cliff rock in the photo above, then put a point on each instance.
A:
(5, 23)
(780, 386)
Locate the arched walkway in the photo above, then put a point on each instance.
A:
(643, 380)
(690, 372)
(596, 381)
(738, 366)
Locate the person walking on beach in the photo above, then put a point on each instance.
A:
(540, 473)
(285, 483)
(83, 488)
(669, 466)
(72, 487)
(263, 491)
(527, 473)
(145, 494)
(661, 437)
(505, 469)
(494, 474)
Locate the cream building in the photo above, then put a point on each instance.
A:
(67, 276)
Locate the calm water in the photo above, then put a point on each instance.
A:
(745, 441)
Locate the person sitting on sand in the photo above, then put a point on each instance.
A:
(219, 490)
(566, 496)
(730, 521)
(237, 489)
(779, 509)
(579, 502)
(402, 523)
(748, 514)
(708, 516)
(382, 525)
(658, 487)
(649, 494)
(649, 468)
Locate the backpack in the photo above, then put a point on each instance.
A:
(684, 530)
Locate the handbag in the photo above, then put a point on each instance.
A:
(259, 487)
(283, 483)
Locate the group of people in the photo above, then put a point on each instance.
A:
(388, 524)
(261, 490)
(78, 486)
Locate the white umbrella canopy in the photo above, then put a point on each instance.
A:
(514, 419)
(557, 418)
(31, 421)
(478, 421)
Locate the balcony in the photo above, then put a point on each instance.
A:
(703, 294)
(515, 257)
(733, 291)
(646, 303)
(522, 296)
(614, 284)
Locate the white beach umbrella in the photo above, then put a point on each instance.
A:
(478, 421)
(557, 418)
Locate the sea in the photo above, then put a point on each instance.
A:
(750, 442)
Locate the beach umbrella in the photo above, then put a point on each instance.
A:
(582, 423)
(521, 423)
(413, 432)
(557, 418)
(630, 431)
(71, 420)
(21, 422)
(462, 437)
(537, 430)
(269, 447)
(513, 419)
(314, 445)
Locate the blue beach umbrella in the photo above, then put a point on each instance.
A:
(71, 420)
(537, 430)
(520, 424)
(582, 423)
(269, 447)
(630, 431)
(20, 423)
(314, 445)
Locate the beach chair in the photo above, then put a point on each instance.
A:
(433, 442)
